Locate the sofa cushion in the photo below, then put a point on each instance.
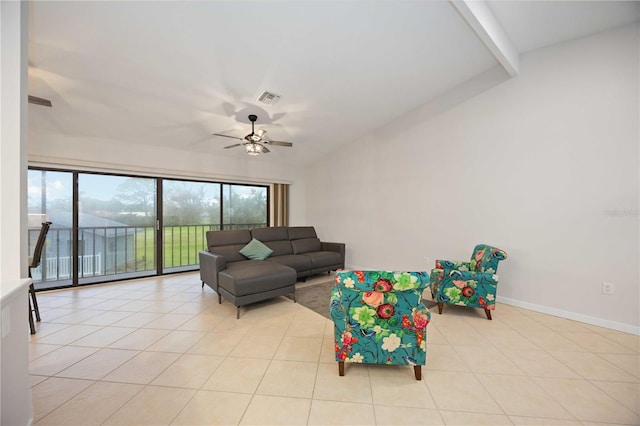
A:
(324, 259)
(230, 253)
(300, 232)
(280, 248)
(228, 243)
(306, 245)
(242, 264)
(255, 250)
(225, 238)
(298, 262)
(275, 233)
(257, 278)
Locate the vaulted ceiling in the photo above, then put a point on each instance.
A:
(170, 74)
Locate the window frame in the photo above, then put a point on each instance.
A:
(159, 227)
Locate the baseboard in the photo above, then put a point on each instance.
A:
(613, 325)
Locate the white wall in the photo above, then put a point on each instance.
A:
(544, 166)
(15, 395)
(13, 131)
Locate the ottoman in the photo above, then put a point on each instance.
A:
(260, 281)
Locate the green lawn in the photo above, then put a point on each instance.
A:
(181, 245)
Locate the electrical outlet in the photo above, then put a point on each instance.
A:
(607, 288)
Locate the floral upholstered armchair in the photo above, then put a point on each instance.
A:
(471, 283)
(379, 318)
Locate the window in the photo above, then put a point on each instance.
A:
(116, 227)
(190, 209)
(245, 207)
(130, 226)
(50, 198)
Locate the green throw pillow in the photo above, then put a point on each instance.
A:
(256, 250)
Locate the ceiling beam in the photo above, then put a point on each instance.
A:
(480, 18)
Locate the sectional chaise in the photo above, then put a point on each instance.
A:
(247, 266)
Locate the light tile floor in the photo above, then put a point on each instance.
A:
(163, 351)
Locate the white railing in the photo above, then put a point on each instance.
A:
(60, 267)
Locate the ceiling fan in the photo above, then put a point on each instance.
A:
(255, 143)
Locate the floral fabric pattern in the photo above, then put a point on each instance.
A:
(379, 317)
(472, 283)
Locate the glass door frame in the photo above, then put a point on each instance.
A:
(159, 237)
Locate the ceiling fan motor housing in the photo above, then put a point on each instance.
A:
(252, 137)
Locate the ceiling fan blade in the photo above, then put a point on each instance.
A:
(279, 143)
(227, 136)
(234, 145)
(265, 149)
(39, 101)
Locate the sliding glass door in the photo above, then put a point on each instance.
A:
(189, 210)
(244, 207)
(130, 226)
(116, 227)
(50, 198)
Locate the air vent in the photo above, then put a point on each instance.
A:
(269, 98)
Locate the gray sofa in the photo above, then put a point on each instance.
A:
(297, 254)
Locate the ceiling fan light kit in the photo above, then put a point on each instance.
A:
(255, 142)
(254, 148)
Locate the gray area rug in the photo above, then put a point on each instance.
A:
(316, 295)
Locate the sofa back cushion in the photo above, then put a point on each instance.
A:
(280, 248)
(228, 243)
(226, 238)
(306, 245)
(274, 233)
(276, 238)
(300, 232)
(304, 239)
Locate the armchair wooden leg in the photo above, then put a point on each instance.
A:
(32, 292)
(341, 368)
(219, 299)
(488, 312)
(32, 326)
(237, 312)
(440, 306)
(417, 369)
(202, 284)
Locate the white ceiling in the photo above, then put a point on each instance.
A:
(169, 74)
